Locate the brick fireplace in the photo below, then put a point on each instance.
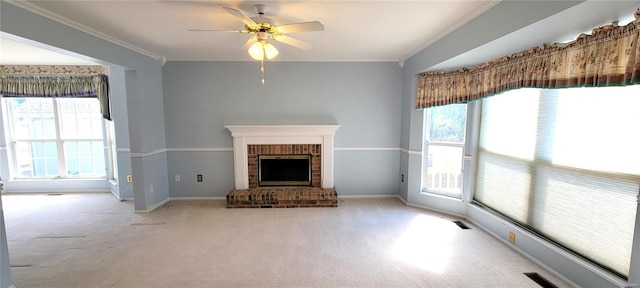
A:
(251, 141)
(314, 150)
(279, 136)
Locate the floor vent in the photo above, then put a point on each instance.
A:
(55, 194)
(461, 225)
(540, 280)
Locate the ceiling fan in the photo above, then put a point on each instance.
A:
(263, 28)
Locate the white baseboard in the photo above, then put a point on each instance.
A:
(365, 196)
(16, 192)
(433, 210)
(198, 198)
(154, 207)
(524, 254)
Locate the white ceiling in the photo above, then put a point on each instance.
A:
(19, 53)
(386, 31)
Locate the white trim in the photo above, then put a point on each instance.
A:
(567, 255)
(140, 155)
(214, 198)
(73, 24)
(123, 150)
(402, 200)
(464, 20)
(524, 254)
(367, 196)
(367, 149)
(201, 149)
(154, 207)
(66, 191)
(244, 135)
(230, 149)
(411, 152)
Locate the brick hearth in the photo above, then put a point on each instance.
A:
(282, 197)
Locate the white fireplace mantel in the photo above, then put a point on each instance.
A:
(244, 135)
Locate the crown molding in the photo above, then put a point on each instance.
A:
(464, 20)
(31, 7)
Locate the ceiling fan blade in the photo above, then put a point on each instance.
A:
(240, 16)
(292, 42)
(301, 27)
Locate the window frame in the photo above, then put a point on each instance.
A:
(12, 142)
(540, 161)
(426, 143)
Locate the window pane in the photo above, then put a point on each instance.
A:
(510, 128)
(50, 150)
(444, 169)
(86, 158)
(52, 167)
(565, 166)
(23, 159)
(443, 150)
(447, 123)
(34, 137)
(598, 135)
(32, 118)
(81, 118)
(38, 168)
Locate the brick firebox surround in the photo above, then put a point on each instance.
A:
(249, 141)
(253, 151)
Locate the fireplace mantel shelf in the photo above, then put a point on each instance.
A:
(281, 130)
(244, 135)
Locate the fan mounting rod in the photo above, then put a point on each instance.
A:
(260, 8)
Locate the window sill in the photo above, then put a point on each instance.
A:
(441, 195)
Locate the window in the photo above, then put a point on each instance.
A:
(55, 137)
(564, 164)
(443, 149)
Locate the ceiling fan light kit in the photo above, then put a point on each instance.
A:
(262, 48)
(262, 28)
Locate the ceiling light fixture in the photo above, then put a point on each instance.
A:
(263, 28)
(262, 49)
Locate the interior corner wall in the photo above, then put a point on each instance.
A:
(202, 97)
(119, 114)
(145, 110)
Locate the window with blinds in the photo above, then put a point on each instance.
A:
(565, 163)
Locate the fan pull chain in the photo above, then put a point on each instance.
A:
(262, 70)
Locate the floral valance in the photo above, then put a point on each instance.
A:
(610, 56)
(57, 81)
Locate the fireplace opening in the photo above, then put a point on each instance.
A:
(284, 170)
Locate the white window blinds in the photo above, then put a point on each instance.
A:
(566, 164)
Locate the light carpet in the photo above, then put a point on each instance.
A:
(92, 240)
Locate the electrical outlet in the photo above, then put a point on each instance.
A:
(129, 178)
(199, 177)
(402, 178)
(177, 177)
(150, 188)
(512, 238)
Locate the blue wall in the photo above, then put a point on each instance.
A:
(201, 97)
